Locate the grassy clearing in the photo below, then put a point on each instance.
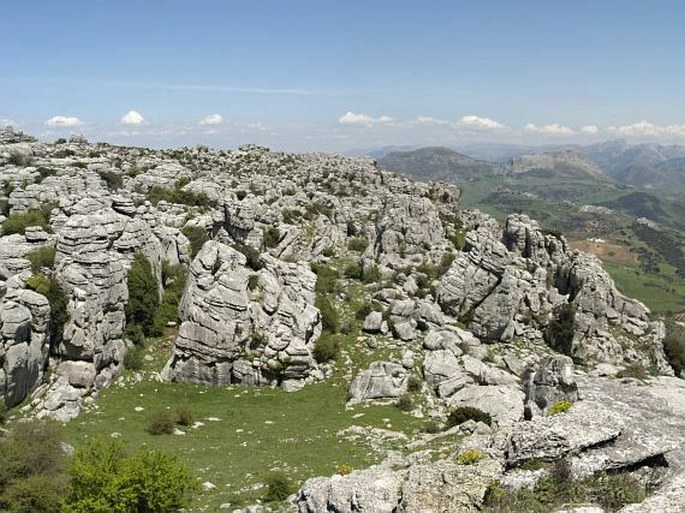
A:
(245, 433)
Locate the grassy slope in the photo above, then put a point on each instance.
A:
(257, 429)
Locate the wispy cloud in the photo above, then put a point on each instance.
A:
(554, 129)
(212, 119)
(63, 121)
(429, 121)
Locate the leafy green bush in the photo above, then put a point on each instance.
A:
(414, 384)
(674, 346)
(353, 271)
(432, 426)
(560, 407)
(41, 257)
(358, 244)
(405, 403)
(464, 413)
(17, 223)
(278, 486)
(184, 415)
(143, 296)
(161, 423)
(561, 330)
(32, 468)
(174, 279)
(197, 237)
(326, 278)
(470, 456)
(113, 180)
(178, 195)
(44, 172)
(134, 358)
(19, 159)
(103, 478)
(253, 256)
(330, 319)
(272, 236)
(57, 298)
(326, 348)
(344, 469)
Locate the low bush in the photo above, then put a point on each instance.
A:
(326, 278)
(470, 456)
(253, 256)
(57, 298)
(143, 295)
(272, 236)
(674, 346)
(161, 423)
(278, 486)
(134, 359)
(561, 330)
(113, 180)
(197, 236)
(345, 469)
(414, 384)
(326, 348)
(358, 244)
(560, 407)
(405, 402)
(184, 415)
(464, 413)
(43, 257)
(330, 319)
(432, 427)
(17, 223)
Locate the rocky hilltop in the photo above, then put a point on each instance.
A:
(502, 318)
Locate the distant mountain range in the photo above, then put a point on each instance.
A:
(644, 165)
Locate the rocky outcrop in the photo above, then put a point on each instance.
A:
(245, 326)
(551, 382)
(382, 380)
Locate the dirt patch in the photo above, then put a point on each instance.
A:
(606, 251)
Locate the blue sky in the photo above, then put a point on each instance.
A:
(335, 75)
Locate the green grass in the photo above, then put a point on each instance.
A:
(660, 292)
(258, 430)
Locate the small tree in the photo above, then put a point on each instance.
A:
(561, 330)
(143, 294)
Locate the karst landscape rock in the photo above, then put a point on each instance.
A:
(460, 311)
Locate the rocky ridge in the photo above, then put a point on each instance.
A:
(476, 310)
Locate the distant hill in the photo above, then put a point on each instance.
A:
(562, 162)
(439, 163)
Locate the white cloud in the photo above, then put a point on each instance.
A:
(63, 121)
(555, 129)
(132, 117)
(212, 119)
(479, 123)
(6, 122)
(429, 121)
(352, 119)
(590, 130)
(647, 129)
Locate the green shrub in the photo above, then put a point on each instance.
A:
(405, 403)
(371, 274)
(44, 172)
(470, 456)
(4, 412)
(57, 298)
(561, 330)
(19, 159)
(326, 348)
(32, 468)
(134, 358)
(674, 346)
(414, 384)
(278, 486)
(17, 223)
(252, 281)
(161, 423)
(103, 478)
(635, 371)
(113, 180)
(178, 195)
(253, 256)
(344, 469)
(174, 279)
(272, 236)
(613, 491)
(197, 237)
(432, 427)
(143, 296)
(464, 413)
(353, 271)
(329, 252)
(326, 278)
(560, 407)
(184, 415)
(135, 334)
(330, 319)
(358, 244)
(41, 257)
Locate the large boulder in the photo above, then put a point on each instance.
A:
(382, 380)
(240, 325)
